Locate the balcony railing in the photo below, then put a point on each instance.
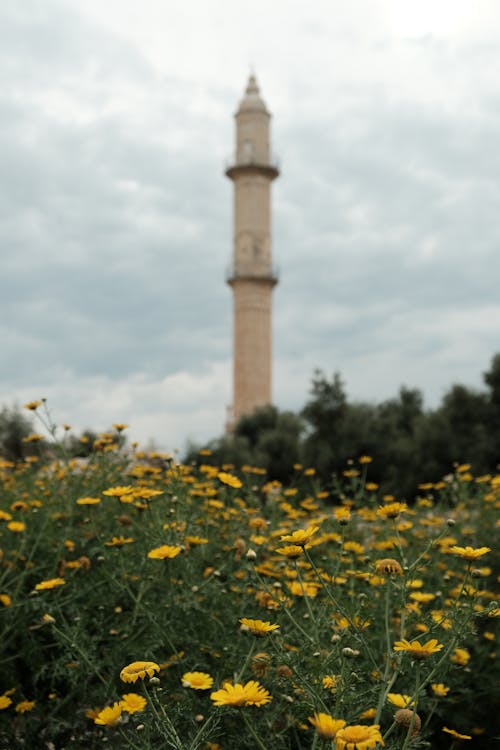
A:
(233, 274)
(272, 165)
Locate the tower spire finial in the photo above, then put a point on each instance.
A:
(252, 87)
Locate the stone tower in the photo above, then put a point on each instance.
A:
(251, 276)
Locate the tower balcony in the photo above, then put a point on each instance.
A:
(270, 276)
(270, 168)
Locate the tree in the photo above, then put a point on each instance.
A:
(14, 427)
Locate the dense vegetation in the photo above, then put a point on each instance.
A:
(412, 444)
(148, 604)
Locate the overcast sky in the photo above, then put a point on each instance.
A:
(116, 120)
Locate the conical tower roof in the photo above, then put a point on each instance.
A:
(252, 101)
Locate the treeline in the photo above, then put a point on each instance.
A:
(410, 445)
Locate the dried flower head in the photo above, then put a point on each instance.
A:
(389, 566)
(405, 719)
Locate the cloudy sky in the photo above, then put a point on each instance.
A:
(116, 120)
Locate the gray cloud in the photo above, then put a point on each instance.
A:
(115, 217)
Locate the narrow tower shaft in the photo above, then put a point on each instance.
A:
(252, 278)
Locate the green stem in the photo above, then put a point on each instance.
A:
(409, 733)
(245, 664)
(387, 684)
(252, 731)
(165, 725)
(308, 603)
(342, 611)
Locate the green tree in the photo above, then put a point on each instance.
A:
(14, 427)
(268, 438)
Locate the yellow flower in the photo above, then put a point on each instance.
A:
(325, 725)
(131, 703)
(391, 510)
(50, 583)
(88, 500)
(257, 627)
(342, 514)
(356, 547)
(469, 553)
(389, 566)
(109, 716)
(119, 427)
(329, 682)
(303, 589)
(440, 690)
(25, 706)
(460, 656)
(401, 701)
(118, 541)
(358, 737)
(33, 405)
(418, 650)
(229, 479)
(35, 437)
(421, 597)
(118, 491)
(250, 694)
(457, 735)
(138, 670)
(5, 701)
(5, 600)
(300, 537)
(16, 526)
(165, 552)
(368, 714)
(292, 551)
(191, 541)
(197, 680)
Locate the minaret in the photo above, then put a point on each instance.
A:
(251, 277)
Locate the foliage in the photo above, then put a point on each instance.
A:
(14, 428)
(268, 438)
(413, 444)
(194, 583)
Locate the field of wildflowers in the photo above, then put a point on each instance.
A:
(149, 604)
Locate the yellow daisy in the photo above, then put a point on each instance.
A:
(139, 670)
(300, 537)
(326, 726)
(250, 694)
(165, 552)
(109, 716)
(257, 627)
(131, 703)
(419, 650)
(469, 553)
(358, 737)
(197, 680)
